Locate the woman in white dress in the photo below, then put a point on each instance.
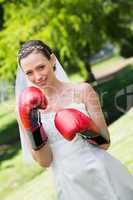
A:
(82, 170)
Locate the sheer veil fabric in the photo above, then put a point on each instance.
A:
(20, 85)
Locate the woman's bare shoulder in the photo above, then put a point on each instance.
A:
(80, 90)
(82, 87)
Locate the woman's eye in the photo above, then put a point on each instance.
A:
(28, 73)
(41, 67)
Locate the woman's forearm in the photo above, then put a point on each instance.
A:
(43, 156)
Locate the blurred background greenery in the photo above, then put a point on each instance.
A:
(91, 39)
(75, 30)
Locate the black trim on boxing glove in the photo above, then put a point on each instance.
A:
(37, 135)
(99, 139)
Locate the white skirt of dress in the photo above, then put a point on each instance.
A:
(85, 172)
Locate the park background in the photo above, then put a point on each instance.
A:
(93, 39)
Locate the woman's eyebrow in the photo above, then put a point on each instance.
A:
(39, 65)
(36, 67)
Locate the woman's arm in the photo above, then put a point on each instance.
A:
(43, 156)
(93, 107)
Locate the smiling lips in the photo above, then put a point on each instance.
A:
(42, 83)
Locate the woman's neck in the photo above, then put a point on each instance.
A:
(54, 88)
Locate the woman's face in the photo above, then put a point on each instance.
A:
(38, 69)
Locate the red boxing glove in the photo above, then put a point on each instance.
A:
(70, 121)
(32, 99)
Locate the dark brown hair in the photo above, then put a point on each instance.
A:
(34, 45)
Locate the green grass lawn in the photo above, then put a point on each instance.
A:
(14, 173)
(104, 64)
(8, 126)
(39, 188)
(7, 110)
(122, 139)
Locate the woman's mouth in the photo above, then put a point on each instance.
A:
(42, 83)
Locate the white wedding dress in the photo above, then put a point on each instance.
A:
(83, 171)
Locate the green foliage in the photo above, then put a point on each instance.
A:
(127, 47)
(73, 28)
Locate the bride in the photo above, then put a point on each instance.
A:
(82, 167)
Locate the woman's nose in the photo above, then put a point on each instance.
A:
(37, 76)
